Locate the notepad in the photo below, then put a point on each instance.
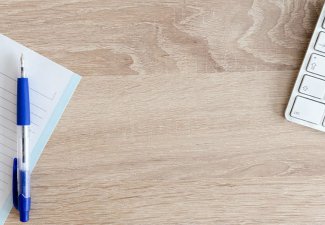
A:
(51, 87)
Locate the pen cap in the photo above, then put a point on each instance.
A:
(23, 107)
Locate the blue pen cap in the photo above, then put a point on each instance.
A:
(23, 107)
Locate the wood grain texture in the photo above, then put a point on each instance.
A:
(179, 116)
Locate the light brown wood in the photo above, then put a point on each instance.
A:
(179, 116)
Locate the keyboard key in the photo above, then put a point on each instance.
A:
(313, 86)
(320, 43)
(308, 110)
(316, 64)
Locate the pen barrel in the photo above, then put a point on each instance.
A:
(23, 173)
(23, 104)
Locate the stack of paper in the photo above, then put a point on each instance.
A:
(51, 87)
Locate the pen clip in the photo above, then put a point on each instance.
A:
(15, 184)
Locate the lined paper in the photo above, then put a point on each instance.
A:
(47, 81)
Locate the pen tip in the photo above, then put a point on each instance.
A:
(22, 70)
(22, 59)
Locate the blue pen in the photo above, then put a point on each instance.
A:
(21, 168)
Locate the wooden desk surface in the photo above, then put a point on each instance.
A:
(179, 116)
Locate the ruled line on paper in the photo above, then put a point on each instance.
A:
(9, 138)
(5, 173)
(38, 116)
(43, 95)
(44, 110)
(10, 120)
(7, 100)
(2, 88)
(8, 147)
(6, 164)
(3, 181)
(38, 107)
(8, 128)
(11, 78)
(6, 155)
(7, 109)
(10, 111)
(35, 124)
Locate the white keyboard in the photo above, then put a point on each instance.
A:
(307, 102)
